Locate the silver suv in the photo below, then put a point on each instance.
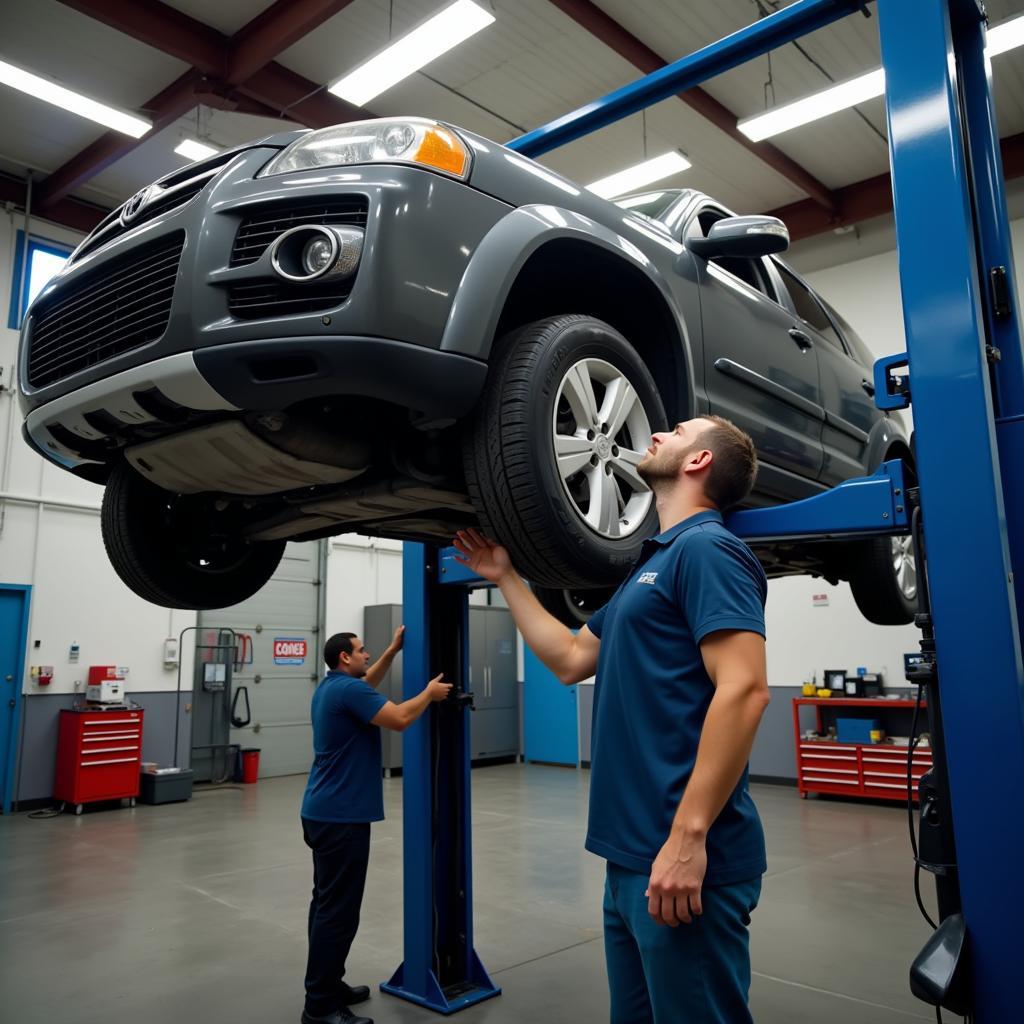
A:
(399, 328)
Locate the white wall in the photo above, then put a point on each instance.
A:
(361, 571)
(76, 596)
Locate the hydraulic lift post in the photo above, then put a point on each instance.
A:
(440, 969)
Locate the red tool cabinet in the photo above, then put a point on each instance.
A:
(99, 756)
(877, 770)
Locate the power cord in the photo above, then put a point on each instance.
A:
(924, 607)
(911, 746)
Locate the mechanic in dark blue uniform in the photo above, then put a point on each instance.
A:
(681, 685)
(344, 794)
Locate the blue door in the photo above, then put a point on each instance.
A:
(13, 637)
(550, 729)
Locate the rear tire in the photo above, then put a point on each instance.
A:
(576, 518)
(172, 551)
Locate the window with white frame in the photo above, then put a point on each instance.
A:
(34, 266)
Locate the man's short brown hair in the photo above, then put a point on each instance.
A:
(734, 466)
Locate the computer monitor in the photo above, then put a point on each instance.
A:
(835, 679)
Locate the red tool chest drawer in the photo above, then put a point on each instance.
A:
(99, 756)
(855, 769)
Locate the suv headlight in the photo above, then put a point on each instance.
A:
(408, 140)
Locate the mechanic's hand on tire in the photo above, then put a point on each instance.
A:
(438, 690)
(485, 557)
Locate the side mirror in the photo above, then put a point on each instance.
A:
(742, 236)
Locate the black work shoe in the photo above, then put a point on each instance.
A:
(351, 995)
(340, 1016)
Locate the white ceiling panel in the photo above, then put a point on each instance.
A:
(226, 16)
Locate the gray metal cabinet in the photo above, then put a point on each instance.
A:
(494, 725)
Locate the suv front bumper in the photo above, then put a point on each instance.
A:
(382, 341)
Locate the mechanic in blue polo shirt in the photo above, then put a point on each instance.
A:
(681, 686)
(343, 795)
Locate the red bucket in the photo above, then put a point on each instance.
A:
(250, 764)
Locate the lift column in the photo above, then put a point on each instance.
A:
(945, 219)
(440, 969)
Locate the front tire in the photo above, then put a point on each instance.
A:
(170, 549)
(551, 452)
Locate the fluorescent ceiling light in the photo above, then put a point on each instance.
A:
(51, 92)
(193, 150)
(649, 171)
(423, 44)
(1007, 36)
(811, 108)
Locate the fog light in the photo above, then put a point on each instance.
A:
(315, 252)
(318, 255)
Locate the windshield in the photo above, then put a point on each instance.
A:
(650, 204)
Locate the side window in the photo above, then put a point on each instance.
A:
(34, 265)
(809, 309)
(749, 271)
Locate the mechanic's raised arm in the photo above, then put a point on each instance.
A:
(379, 669)
(571, 657)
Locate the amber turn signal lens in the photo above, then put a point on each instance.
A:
(443, 150)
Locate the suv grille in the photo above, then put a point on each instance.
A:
(261, 227)
(118, 307)
(257, 299)
(254, 300)
(167, 194)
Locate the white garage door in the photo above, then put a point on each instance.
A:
(280, 635)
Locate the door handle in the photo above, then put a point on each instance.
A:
(802, 339)
(868, 387)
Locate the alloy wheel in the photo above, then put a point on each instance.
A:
(601, 432)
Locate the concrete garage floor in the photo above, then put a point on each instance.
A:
(196, 912)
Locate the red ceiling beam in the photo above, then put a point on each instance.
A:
(271, 33)
(70, 213)
(163, 109)
(162, 27)
(626, 45)
(873, 198)
(273, 90)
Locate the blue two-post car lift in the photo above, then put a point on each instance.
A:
(966, 379)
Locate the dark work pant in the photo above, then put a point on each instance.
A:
(698, 973)
(340, 856)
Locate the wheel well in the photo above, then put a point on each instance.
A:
(569, 276)
(900, 450)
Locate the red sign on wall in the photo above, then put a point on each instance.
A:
(289, 650)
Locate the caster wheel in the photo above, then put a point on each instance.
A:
(131, 802)
(78, 809)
